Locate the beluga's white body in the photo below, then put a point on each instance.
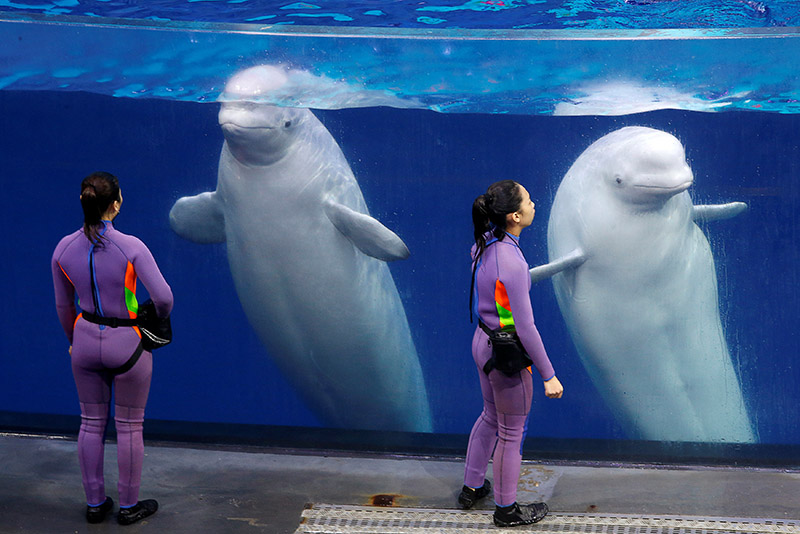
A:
(636, 283)
(309, 262)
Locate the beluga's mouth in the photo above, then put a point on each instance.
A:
(666, 189)
(233, 128)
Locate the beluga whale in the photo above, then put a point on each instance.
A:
(635, 280)
(309, 262)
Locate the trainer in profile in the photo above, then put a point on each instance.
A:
(101, 265)
(505, 345)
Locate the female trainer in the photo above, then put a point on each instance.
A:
(101, 265)
(501, 299)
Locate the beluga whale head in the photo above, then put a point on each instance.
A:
(258, 133)
(641, 166)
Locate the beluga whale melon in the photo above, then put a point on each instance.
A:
(309, 262)
(635, 280)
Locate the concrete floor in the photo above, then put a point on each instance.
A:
(225, 491)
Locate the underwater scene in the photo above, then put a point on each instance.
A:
(307, 192)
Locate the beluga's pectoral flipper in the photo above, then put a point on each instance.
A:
(198, 218)
(570, 261)
(366, 233)
(718, 212)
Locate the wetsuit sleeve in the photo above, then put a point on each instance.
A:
(146, 269)
(515, 279)
(65, 298)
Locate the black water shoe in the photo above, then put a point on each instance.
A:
(140, 510)
(516, 515)
(96, 514)
(470, 496)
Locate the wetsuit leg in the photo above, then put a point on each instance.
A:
(94, 392)
(501, 426)
(513, 401)
(130, 397)
(483, 438)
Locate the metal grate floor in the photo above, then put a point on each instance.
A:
(336, 519)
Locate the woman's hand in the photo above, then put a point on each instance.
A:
(553, 388)
(70, 350)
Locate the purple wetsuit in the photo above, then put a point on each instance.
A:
(502, 286)
(116, 264)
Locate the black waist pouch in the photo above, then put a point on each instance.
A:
(508, 354)
(156, 331)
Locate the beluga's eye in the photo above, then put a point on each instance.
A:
(619, 179)
(287, 124)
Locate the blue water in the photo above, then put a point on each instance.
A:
(467, 14)
(522, 71)
(419, 172)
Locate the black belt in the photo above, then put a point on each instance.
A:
(485, 328)
(125, 367)
(115, 322)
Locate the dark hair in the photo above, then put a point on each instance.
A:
(98, 191)
(490, 209)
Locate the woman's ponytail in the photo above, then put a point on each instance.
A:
(98, 191)
(481, 224)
